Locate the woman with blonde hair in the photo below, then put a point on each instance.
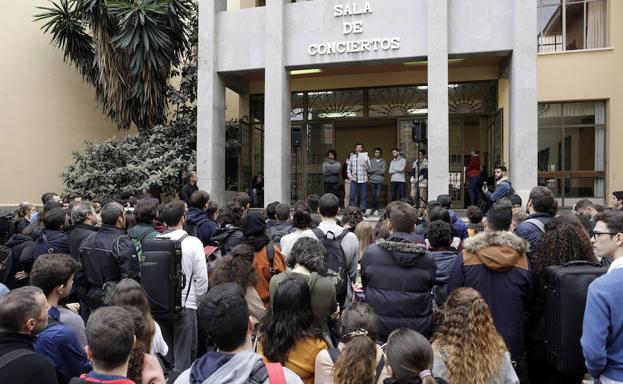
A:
(365, 233)
(468, 349)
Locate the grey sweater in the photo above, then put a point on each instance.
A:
(376, 171)
(330, 171)
(397, 169)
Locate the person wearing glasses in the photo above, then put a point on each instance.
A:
(602, 329)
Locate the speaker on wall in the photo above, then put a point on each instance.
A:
(297, 137)
(418, 131)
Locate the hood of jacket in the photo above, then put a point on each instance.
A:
(498, 250)
(280, 227)
(17, 239)
(195, 215)
(405, 250)
(222, 368)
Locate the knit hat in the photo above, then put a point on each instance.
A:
(253, 224)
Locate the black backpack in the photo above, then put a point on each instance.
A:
(6, 227)
(335, 262)
(565, 289)
(193, 228)
(162, 277)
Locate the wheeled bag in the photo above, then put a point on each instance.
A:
(162, 277)
(565, 289)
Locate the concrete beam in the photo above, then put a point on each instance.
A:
(210, 105)
(276, 107)
(438, 138)
(523, 131)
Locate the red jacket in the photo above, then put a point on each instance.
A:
(473, 167)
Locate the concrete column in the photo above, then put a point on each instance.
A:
(276, 107)
(523, 130)
(210, 105)
(438, 138)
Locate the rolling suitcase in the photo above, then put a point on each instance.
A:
(565, 288)
(162, 277)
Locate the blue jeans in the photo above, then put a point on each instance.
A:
(362, 188)
(376, 192)
(474, 193)
(398, 187)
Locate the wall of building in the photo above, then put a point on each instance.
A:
(592, 75)
(47, 110)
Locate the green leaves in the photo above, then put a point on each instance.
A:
(126, 49)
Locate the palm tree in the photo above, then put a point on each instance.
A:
(126, 49)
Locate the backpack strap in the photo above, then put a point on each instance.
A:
(15, 354)
(537, 223)
(318, 233)
(270, 254)
(44, 237)
(334, 353)
(379, 368)
(275, 373)
(192, 274)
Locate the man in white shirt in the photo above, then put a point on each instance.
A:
(194, 267)
(329, 205)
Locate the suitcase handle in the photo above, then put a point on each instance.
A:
(579, 262)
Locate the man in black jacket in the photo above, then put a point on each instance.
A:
(189, 188)
(85, 219)
(23, 312)
(540, 203)
(398, 276)
(107, 256)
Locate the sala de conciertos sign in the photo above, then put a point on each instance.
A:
(350, 27)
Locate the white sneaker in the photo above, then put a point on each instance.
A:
(368, 212)
(376, 213)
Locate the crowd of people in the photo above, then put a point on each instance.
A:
(311, 294)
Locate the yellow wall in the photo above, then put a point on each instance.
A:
(592, 75)
(47, 111)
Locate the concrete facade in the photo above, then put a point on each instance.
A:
(284, 36)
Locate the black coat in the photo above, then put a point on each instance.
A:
(106, 255)
(21, 252)
(30, 369)
(398, 276)
(187, 191)
(79, 233)
(495, 264)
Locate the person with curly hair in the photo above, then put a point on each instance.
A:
(351, 218)
(290, 334)
(143, 368)
(410, 358)
(229, 234)
(468, 349)
(237, 267)
(565, 239)
(357, 358)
